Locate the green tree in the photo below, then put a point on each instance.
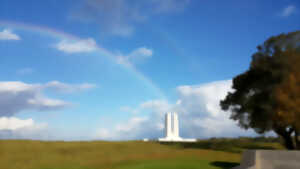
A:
(267, 96)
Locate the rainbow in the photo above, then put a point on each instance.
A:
(66, 36)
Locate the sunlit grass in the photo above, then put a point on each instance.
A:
(19, 154)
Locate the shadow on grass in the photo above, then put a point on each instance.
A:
(224, 165)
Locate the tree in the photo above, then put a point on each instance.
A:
(267, 96)
(287, 95)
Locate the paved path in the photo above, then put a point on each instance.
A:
(270, 159)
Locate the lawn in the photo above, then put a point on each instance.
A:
(206, 154)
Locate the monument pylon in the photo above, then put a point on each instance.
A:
(172, 129)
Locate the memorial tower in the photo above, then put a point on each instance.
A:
(172, 129)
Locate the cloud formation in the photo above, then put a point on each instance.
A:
(15, 128)
(17, 96)
(7, 34)
(136, 56)
(139, 53)
(126, 131)
(119, 17)
(13, 123)
(89, 45)
(200, 115)
(289, 10)
(79, 46)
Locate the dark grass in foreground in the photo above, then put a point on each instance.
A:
(206, 154)
(234, 145)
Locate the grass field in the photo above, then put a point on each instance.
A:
(206, 154)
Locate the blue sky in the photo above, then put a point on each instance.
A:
(110, 69)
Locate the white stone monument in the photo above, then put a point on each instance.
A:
(172, 130)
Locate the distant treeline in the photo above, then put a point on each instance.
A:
(269, 139)
(236, 145)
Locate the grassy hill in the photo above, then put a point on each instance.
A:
(205, 154)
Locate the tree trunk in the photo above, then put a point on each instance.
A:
(297, 141)
(286, 136)
(288, 142)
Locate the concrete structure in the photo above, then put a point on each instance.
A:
(172, 130)
(270, 159)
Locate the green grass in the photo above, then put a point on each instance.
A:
(206, 154)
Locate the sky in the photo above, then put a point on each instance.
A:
(111, 69)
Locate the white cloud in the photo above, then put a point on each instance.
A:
(200, 115)
(7, 34)
(132, 123)
(204, 98)
(156, 107)
(79, 46)
(13, 123)
(119, 17)
(89, 45)
(17, 96)
(68, 88)
(289, 10)
(140, 53)
(129, 130)
(15, 128)
(136, 56)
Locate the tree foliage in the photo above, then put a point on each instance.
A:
(267, 96)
